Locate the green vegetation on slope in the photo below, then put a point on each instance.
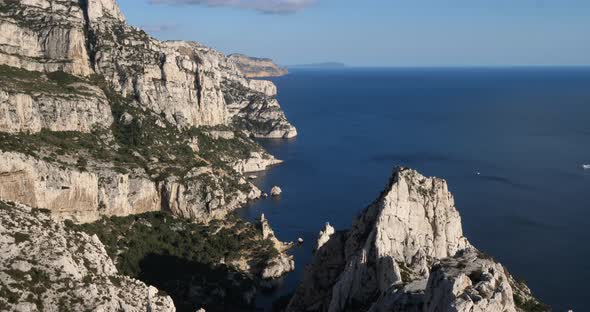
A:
(183, 258)
(138, 138)
(28, 82)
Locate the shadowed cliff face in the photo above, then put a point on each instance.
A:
(406, 252)
(215, 266)
(194, 285)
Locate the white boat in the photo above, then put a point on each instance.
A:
(586, 166)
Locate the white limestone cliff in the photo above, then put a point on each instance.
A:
(31, 41)
(203, 196)
(85, 196)
(69, 193)
(69, 65)
(22, 112)
(190, 84)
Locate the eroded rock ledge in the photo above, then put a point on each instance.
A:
(46, 266)
(406, 252)
(86, 194)
(254, 67)
(282, 262)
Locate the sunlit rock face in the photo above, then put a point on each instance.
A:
(190, 84)
(86, 196)
(405, 252)
(79, 195)
(29, 112)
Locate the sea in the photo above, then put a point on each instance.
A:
(511, 142)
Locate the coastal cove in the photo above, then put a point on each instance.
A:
(511, 143)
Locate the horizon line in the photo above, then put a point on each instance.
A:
(347, 66)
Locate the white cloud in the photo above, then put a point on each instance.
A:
(155, 28)
(264, 6)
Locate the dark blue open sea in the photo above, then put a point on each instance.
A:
(527, 130)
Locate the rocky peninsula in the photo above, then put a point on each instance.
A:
(253, 67)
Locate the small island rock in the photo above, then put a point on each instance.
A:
(276, 191)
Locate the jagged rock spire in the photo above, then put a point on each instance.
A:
(324, 235)
(406, 246)
(103, 9)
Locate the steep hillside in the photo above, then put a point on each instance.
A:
(97, 118)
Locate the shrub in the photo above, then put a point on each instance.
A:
(21, 237)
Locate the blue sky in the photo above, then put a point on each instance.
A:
(378, 32)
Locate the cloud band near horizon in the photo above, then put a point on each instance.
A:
(263, 6)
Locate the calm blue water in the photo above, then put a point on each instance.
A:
(526, 130)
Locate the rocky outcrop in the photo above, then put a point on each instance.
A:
(280, 264)
(469, 281)
(278, 267)
(76, 66)
(82, 196)
(257, 111)
(102, 9)
(268, 233)
(253, 67)
(325, 235)
(184, 81)
(256, 162)
(45, 265)
(276, 191)
(405, 252)
(203, 195)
